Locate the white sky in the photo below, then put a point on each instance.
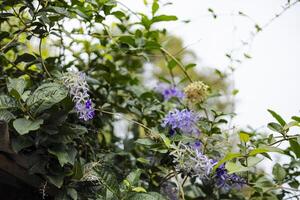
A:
(271, 79)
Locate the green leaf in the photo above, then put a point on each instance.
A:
(77, 171)
(244, 137)
(24, 126)
(19, 143)
(228, 157)
(56, 180)
(162, 18)
(139, 189)
(277, 117)
(16, 87)
(155, 7)
(6, 115)
(295, 147)
(72, 193)
(26, 57)
(146, 196)
(278, 172)
(235, 167)
(64, 154)
(275, 127)
(264, 149)
(296, 118)
(252, 161)
(145, 141)
(7, 102)
(134, 177)
(108, 180)
(45, 96)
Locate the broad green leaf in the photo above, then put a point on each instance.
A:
(45, 96)
(24, 126)
(64, 154)
(228, 157)
(278, 172)
(277, 117)
(252, 161)
(6, 102)
(16, 87)
(235, 167)
(264, 149)
(244, 137)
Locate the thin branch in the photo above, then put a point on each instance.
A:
(42, 60)
(178, 62)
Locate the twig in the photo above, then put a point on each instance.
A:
(178, 62)
(42, 60)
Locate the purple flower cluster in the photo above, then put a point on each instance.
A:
(169, 92)
(75, 81)
(227, 181)
(184, 120)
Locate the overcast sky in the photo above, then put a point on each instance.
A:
(271, 79)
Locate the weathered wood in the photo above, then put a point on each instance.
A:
(4, 138)
(16, 165)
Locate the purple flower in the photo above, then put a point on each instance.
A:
(75, 81)
(184, 120)
(227, 181)
(169, 92)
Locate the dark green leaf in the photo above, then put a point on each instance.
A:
(45, 96)
(24, 126)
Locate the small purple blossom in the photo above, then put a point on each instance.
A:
(75, 81)
(169, 92)
(227, 181)
(184, 120)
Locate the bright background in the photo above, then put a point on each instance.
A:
(271, 78)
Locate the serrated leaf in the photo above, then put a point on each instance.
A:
(24, 126)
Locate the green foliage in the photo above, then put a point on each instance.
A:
(96, 160)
